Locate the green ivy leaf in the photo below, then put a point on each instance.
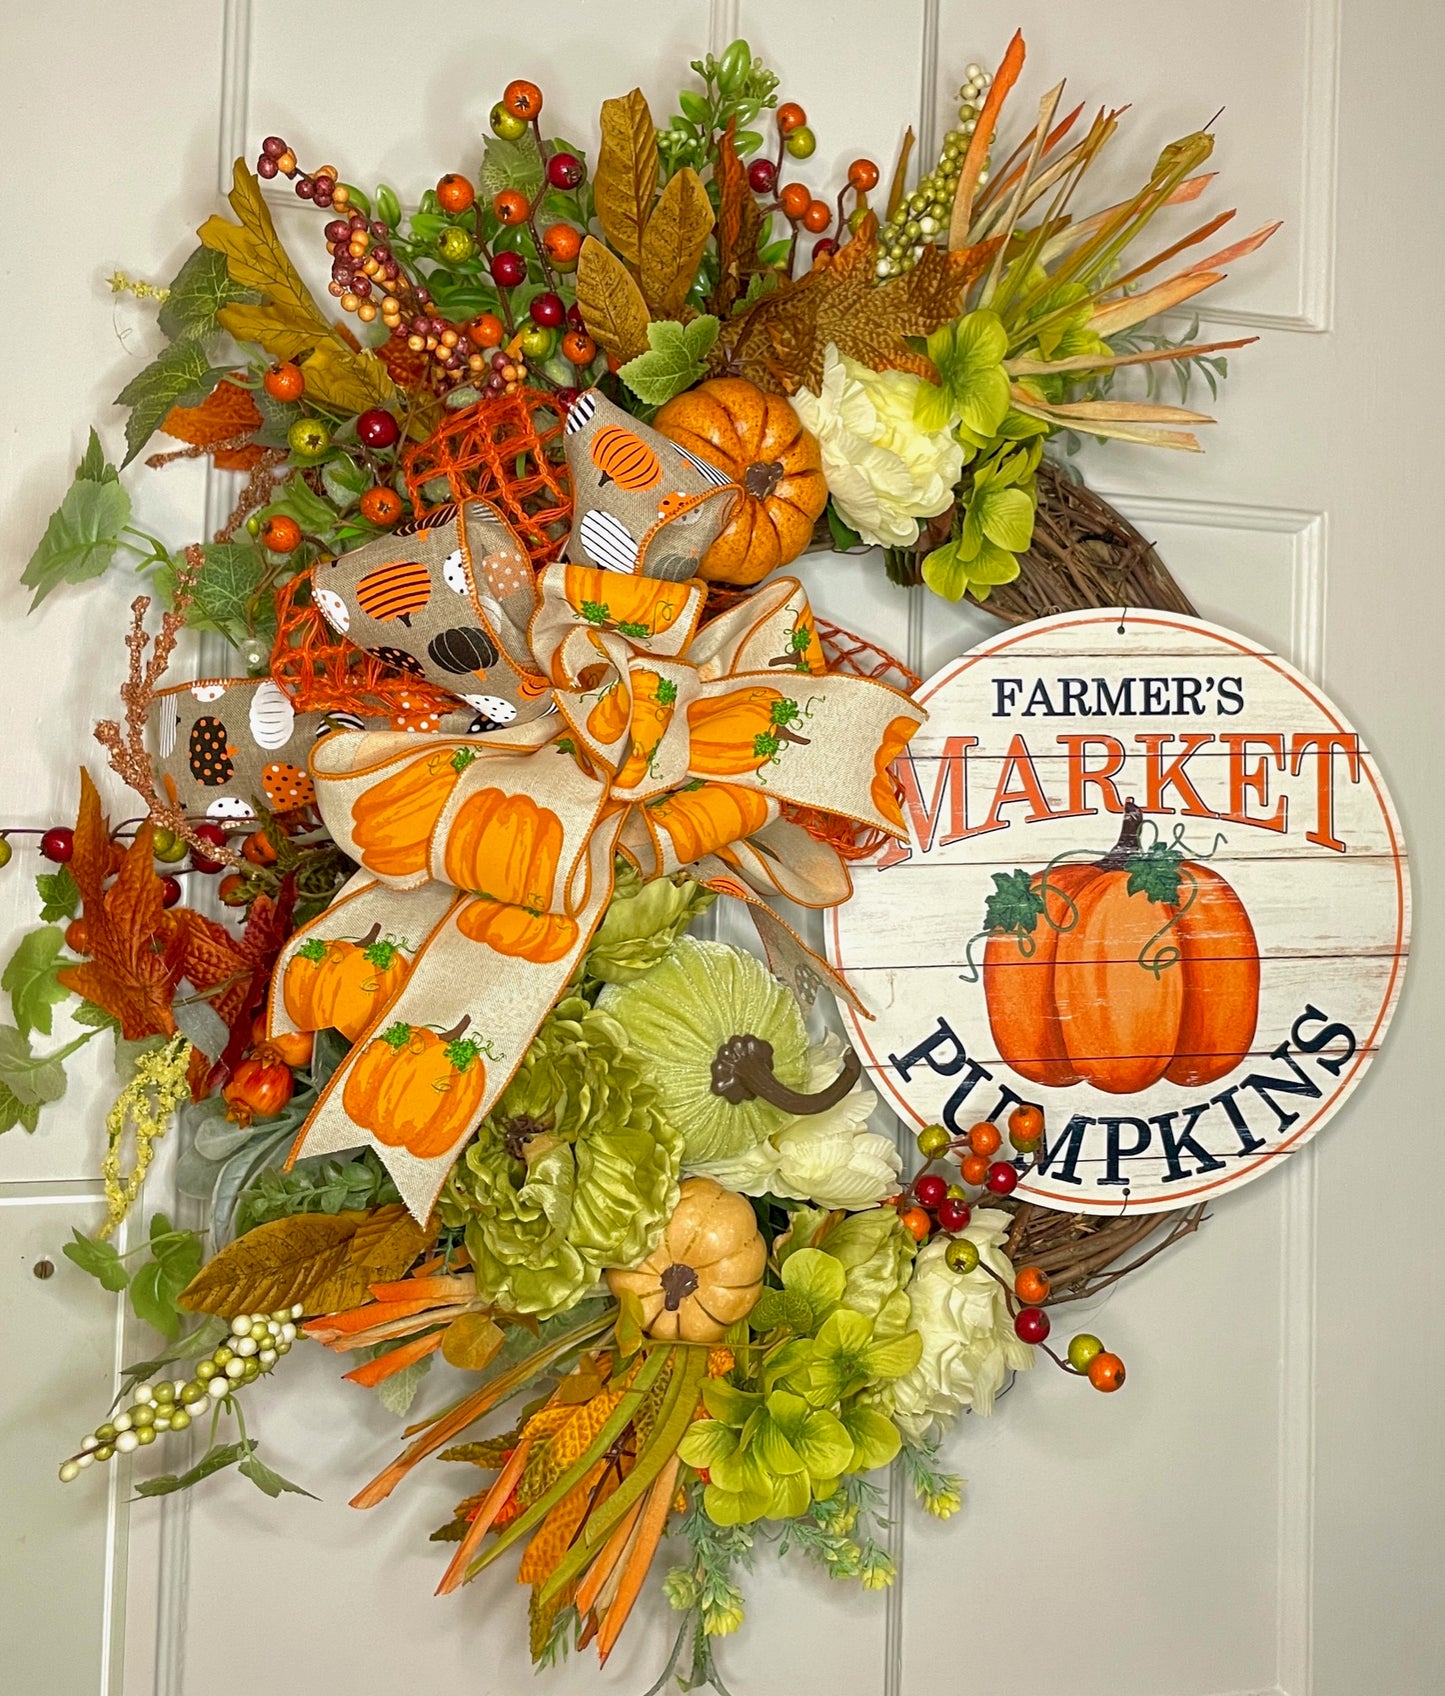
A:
(32, 1078)
(181, 376)
(226, 591)
(1015, 906)
(215, 1459)
(315, 516)
(198, 291)
(344, 481)
(100, 1260)
(267, 1481)
(81, 537)
(31, 979)
(510, 164)
(14, 1111)
(1156, 873)
(97, 1017)
(176, 1257)
(845, 537)
(59, 894)
(675, 360)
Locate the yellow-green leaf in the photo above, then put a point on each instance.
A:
(673, 242)
(325, 1261)
(471, 1342)
(610, 301)
(625, 181)
(255, 257)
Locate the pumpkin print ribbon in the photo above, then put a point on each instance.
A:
(487, 859)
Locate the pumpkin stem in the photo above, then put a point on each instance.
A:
(456, 1030)
(742, 1070)
(373, 935)
(678, 1283)
(762, 477)
(1129, 839)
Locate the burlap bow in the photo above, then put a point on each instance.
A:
(627, 726)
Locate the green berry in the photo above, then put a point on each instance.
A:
(309, 440)
(145, 1434)
(205, 1371)
(455, 245)
(801, 142)
(180, 1419)
(106, 1432)
(142, 1414)
(166, 1392)
(223, 1355)
(507, 124)
(194, 1392)
(5, 850)
(104, 1452)
(1082, 1350)
(961, 1255)
(933, 1141)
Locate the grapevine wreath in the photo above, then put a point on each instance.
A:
(518, 694)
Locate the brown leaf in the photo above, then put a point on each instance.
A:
(133, 946)
(325, 1261)
(780, 341)
(673, 243)
(471, 1341)
(739, 224)
(226, 413)
(288, 324)
(610, 301)
(625, 181)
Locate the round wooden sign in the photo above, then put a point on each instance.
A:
(1155, 884)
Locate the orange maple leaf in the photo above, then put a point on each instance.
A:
(226, 413)
(214, 960)
(134, 947)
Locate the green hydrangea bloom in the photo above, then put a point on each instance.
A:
(573, 1170)
(642, 922)
(680, 1013)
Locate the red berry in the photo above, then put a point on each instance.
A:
(930, 1190)
(58, 844)
(954, 1215)
(378, 428)
(762, 174)
(509, 269)
(547, 310)
(1002, 1179)
(575, 320)
(207, 833)
(824, 245)
(565, 170)
(1031, 1324)
(170, 891)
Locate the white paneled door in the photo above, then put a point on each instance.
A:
(1262, 1510)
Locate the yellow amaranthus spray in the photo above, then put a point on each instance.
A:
(146, 1104)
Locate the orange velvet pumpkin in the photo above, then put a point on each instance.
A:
(342, 985)
(416, 1090)
(392, 821)
(707, 816)
(1096, 994)
(760, 442)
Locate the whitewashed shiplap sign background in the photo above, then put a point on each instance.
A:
(1259, 1511)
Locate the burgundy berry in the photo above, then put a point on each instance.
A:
(575, 320)
(273, 147)
(509, 269)
(547, 310)
(930, 1190)
(1031, 1324)
(213, 834)
(954, 1215)
(58, 844)
(566, 398)
(824, 244)
(762, 174)
(1002, 1178)
(266, 168)
(377, 428)
(565, 170)
(306, 188)
(338, 230)
(170, 891)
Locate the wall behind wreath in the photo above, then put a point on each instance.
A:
(1261, 1511)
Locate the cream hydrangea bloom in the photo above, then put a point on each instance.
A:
(831, 1159)
(969, 1345)
(883, 472)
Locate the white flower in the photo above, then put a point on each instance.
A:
(883, 472)
(831, 1159)
(969, 1345)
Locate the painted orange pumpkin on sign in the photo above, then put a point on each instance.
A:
(1137, 966)
(1153, 887)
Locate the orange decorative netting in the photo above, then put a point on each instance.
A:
(506, 450)
(322, 672)
(854, 657)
